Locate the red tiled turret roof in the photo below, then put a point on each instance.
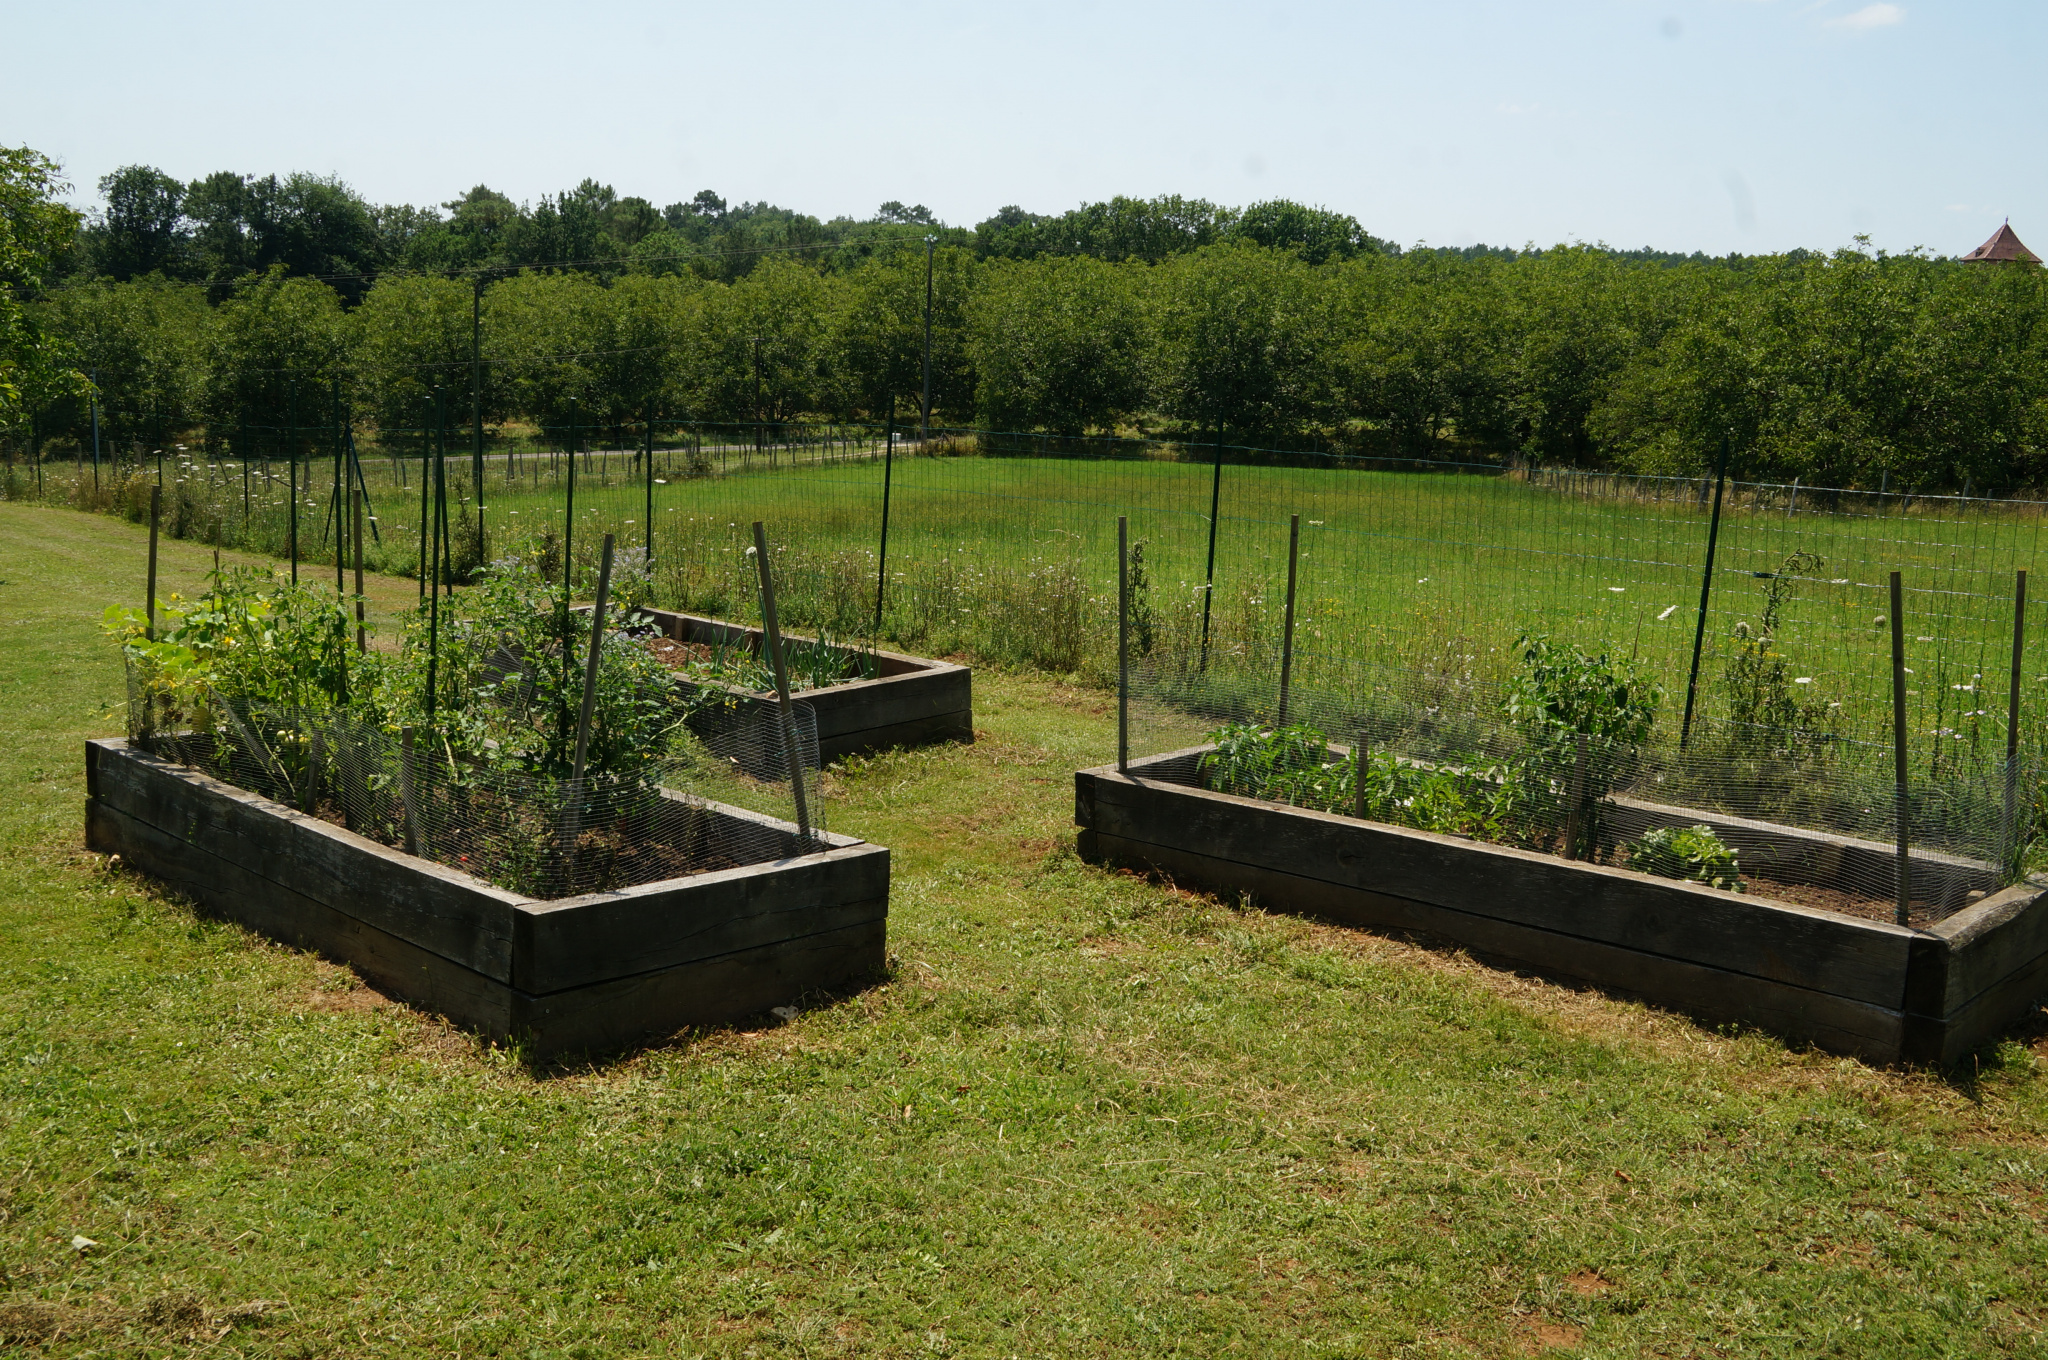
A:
(2002, 246)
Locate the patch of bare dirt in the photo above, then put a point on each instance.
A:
(1589, 1283)
(1540, 1337)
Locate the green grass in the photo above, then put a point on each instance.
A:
(1402, 574)
(1085, 1115)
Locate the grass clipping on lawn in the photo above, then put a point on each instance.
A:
(1087, 1115)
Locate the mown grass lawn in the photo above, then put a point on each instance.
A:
(1086, 1115)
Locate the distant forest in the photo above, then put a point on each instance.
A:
(207, 308)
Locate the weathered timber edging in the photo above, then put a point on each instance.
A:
(587, 974)
(1879, 991)
(910, 702)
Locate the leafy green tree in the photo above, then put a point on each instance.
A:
(1057, 344)
(542, 332)
(878, 350)
(1317, 235)
(143, 343)
(1414, 351)
(1120, 229)
(761, 350)
(647, 327)
(1241, 340)
(34, 228)
(411, 334)
(143, 229)
(276, 349)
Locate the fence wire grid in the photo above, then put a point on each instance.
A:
(722, 797)
(1415, 579)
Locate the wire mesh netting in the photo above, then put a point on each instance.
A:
(721, 797)
(1417, 581)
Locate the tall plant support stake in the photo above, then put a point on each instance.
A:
(1287, 628)
(2012, 715)
(414, 841)
(362, 482)
(476, 408)
(1699, 631)
(583, 715)
(569, 509)
(1358, 753)
(882, 557)
(340, 504)
(156, 502)
(1209, 575)
(444, 578)
(291, 450)
(94, 399)
(924, 424)
(362, 631)
(436, 566)
(771, 633)
(648, 454)
(426, 509)
(1575, 814)
(1905, 870)
(1123, 645)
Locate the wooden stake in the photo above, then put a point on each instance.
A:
(604, 586)
(771, 635)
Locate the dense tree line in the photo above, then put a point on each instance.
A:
(238, 302)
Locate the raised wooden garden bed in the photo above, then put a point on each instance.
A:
(585, 974)
(1868, 988)
(909, 702)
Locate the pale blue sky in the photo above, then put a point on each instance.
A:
(1718, 125)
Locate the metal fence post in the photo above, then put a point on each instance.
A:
(1699, 632)
(2008, 842)
(888, 475)
(1209, 574)
(1287, 628)
(1905, 810)
(1123, 645)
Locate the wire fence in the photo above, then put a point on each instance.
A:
(723, 797)
(1417, 586)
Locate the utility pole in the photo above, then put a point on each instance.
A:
(924, 425)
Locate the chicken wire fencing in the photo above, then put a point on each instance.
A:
(1539, 689)
(1417, 581)
(721, 795)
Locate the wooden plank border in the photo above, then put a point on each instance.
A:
(584, 974)
(1867, 988)
(911, 701)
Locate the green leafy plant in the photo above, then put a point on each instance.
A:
(1144, 623)
(1693, 853)
(1294, 764)
(1767, 715)
(1585, 717)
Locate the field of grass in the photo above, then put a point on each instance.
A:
(1016, 557)
(1084, 1115)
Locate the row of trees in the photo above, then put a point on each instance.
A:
(1842, 369)
(1279, 324)
(219, 229)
